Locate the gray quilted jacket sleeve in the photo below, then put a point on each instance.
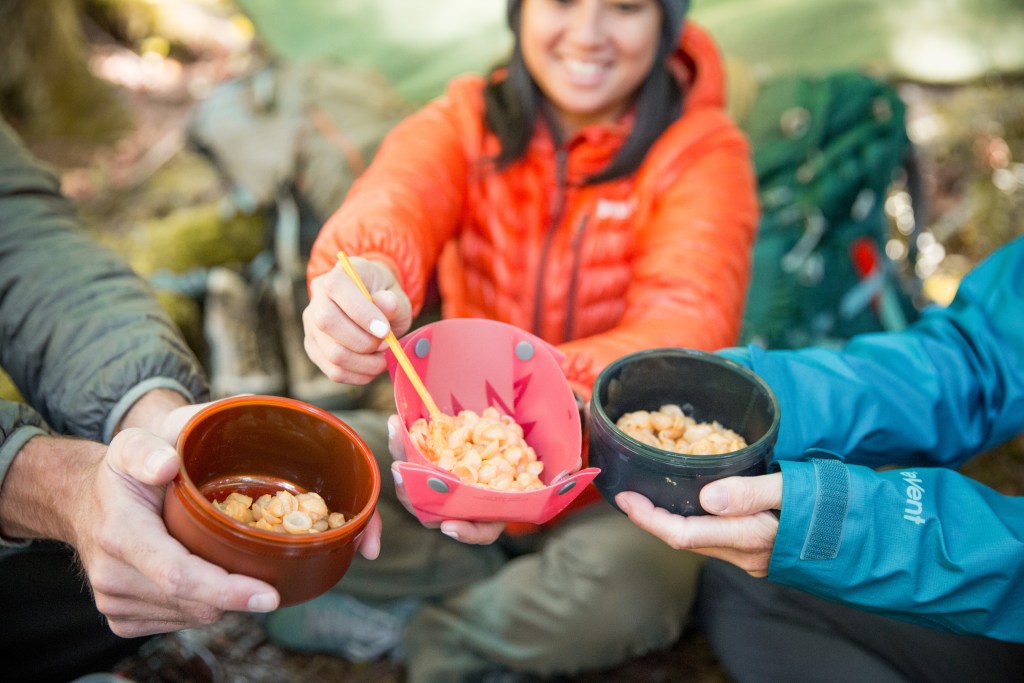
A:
(81, 335)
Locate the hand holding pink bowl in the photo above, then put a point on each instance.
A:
(471, 364)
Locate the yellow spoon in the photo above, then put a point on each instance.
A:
(393, 344)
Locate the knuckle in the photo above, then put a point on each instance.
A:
(111, 539)
(105, 604)
(747, 493)
(368, 344)
(312, 349)
(207, 614)
(126, 437)
(317, 316)
(679, 540)
(336, 375)
(170, 579)
(338, 355)
(320, 285)
(308, 321)
(103, 588)
(128, 440)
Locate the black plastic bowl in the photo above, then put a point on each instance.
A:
(707, 387)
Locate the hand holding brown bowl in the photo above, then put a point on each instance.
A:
(263, 444)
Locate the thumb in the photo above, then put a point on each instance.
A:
(737, 496)
(177, 419)
(143, 456)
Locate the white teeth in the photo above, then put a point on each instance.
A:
(581, 68)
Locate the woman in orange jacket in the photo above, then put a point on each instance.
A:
(594, 192)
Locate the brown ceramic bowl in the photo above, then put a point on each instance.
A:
(261, 444)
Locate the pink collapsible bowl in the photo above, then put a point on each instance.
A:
(472, 364)
(261, 444)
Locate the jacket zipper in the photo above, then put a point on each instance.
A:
(538, 296)
(574, 276)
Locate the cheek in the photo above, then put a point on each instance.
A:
(537, 57)
(642, 48)
(638, 63)
(535, 42)
(532, 57)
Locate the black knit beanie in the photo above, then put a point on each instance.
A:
(674, 11)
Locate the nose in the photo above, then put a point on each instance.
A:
(586, 23)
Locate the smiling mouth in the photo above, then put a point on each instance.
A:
(583, 72)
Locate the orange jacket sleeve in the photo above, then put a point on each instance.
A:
(407, 204)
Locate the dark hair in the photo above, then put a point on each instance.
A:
(513, 102)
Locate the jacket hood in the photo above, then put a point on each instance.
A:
(698, 64)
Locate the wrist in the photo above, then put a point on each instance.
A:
(150, 411)
(45, 487)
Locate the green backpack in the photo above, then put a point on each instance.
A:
(826, 152)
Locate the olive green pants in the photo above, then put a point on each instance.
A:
(590, 593)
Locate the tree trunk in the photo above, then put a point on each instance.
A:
(46, 87)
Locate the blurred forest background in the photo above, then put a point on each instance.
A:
(203, 136)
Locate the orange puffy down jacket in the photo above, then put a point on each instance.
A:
(660, 258)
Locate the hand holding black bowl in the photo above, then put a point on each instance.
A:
(709, 388)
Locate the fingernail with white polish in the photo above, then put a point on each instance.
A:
(451, 534)
(397, 476)
(378, 328)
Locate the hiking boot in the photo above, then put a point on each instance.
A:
(244, 349)
(341, 625)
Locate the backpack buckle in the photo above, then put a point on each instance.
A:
(814, 230)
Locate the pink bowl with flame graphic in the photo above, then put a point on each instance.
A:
(470, 364)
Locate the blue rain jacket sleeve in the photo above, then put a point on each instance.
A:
(920, 542)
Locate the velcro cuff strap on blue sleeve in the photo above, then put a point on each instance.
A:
(830, 508)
